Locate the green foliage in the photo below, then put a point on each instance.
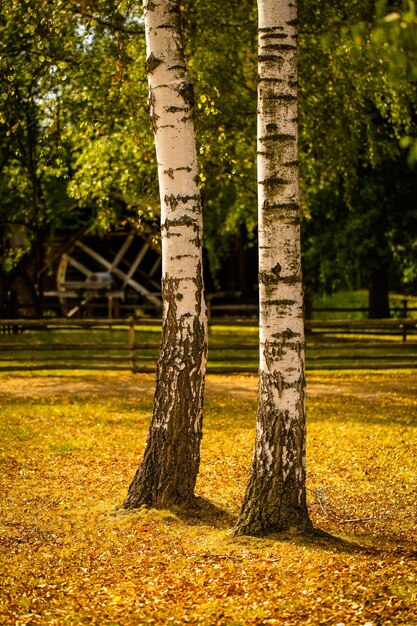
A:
(74, 121)
(354, 116)
(221, 47)
(77, 146)
(396, 35)
(34, 158)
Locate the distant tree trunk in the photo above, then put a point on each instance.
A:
(275, 497)
(4, 299)
(169, 469)
(378, 289)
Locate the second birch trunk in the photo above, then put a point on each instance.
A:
(275, 497)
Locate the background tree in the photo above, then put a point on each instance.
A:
(275, 497)
(168, 472)
(354, 116)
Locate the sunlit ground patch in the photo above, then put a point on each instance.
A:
(72, 555)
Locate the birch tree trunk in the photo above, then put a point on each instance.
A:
(169, 469)
(275, 497)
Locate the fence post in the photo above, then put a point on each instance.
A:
(132, 344)
(405, 313)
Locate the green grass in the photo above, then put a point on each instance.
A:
(70, 555)
(356, 299)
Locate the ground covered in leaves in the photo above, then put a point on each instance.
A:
(71, 555)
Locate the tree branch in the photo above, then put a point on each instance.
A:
(109, 24)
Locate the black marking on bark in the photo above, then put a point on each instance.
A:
(179, 297)
(276, 270)
(279, 46)
(197, 242)
(293, 22)
(264, 58)
(171, 201)
(179, 198)
(173, 109)
(185, 90)
(199, 283)
(291, 163)
(289, 211)
(292, 279)
(270, 277)
(184, 220)
(270, 355)
(171, 171)
(195, 208)
(286, 334)
(281, 97)
(270, 29)
(278, 137)
(271, 181)
(270, 81)
(151, 110)
(271, 127)
(166, 26)
(185, 256)
(150, 6)
(280, 383)
(151, 63)
(178, 66)
(264, 278)
(166, 126)
(282, 303)
(274, 35)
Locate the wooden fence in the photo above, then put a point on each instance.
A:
(231, 309)
(121, 344)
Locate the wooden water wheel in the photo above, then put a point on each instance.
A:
(120, 270)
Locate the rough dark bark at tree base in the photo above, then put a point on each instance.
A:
(257, 528)
(262, 526)
(273, 504)
(168, 472)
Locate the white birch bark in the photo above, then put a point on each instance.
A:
(275, 496)
(169, 469)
